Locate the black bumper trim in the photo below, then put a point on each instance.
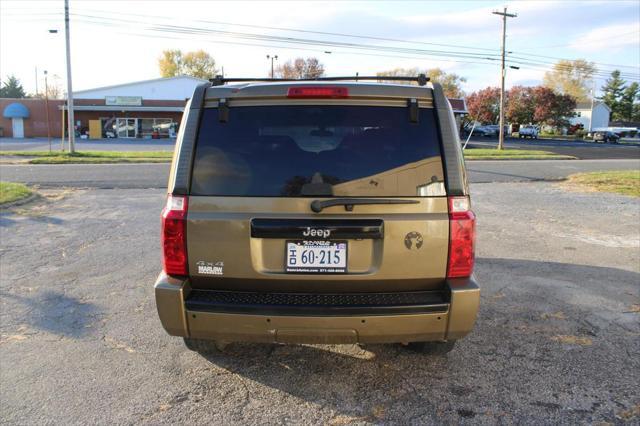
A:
(337, 228)
(317, 304)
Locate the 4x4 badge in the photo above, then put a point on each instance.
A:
(409, 240)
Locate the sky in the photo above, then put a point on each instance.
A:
(120, 41)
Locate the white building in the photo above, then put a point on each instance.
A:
(160, 89)
(591, 119)
(141, 109)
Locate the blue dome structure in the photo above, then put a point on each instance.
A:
(16, 110)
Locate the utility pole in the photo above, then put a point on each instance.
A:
(70, 117)
(272, 57)
(504, 15)
(36, 81)
(593, 98)
(46, 106)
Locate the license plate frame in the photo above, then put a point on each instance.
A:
(316, 246)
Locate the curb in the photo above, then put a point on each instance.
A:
(21, 201)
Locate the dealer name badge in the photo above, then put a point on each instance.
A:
(210, 268)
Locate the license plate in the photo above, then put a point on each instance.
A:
(316, 257)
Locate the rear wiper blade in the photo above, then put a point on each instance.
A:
(317, 206)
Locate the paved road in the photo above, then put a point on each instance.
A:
(156, 175)
(527, 171)
(42, 144)
(582, 150)
(556, 341)
(579, 149)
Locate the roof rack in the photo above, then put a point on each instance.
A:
(421, 79)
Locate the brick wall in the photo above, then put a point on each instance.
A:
(36, 124)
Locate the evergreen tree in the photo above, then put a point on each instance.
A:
(613, 91)
(629, 102)
(12, 88)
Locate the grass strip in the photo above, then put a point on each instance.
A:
(512, 154)
(625, 182)
(10, 192)
(93, 157)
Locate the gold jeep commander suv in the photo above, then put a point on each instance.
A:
(318, 211)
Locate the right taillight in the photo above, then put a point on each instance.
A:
(174, 236)
(462, 224)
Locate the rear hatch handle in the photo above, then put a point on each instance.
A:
(317, 206)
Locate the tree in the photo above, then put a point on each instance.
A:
(170, 63)
(552, 108)
(613, 90)
(300, 68)
(521, 105)
(629, 102)
(54, 91)
(571, 78)
(451, 82)
(197, 64)
(484, 105)
(623, 99)
(12, 88)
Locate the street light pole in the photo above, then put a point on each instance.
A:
(504, 15)
(70, 117)
(272, 57)
(46, 106)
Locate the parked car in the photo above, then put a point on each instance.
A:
(528, 132)
(318, 212)
(486, 131)
(605, 137)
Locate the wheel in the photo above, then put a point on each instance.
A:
(432, 348)
(205, 347)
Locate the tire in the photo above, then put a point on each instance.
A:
(203, 347)
(432, 348)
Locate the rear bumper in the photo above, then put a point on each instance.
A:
(189, 314)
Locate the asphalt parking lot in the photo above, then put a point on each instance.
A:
(557, 339)
(108, 176)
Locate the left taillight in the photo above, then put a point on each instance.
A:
(174, 236)
(462, 235)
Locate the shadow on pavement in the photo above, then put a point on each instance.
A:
(7, 221)
(514, 336)
(55, 313)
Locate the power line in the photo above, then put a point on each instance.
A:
(225, 41)
(351, 35)
(293, 40)
(354, 48)
(408, 51)
(265, 27)
(310, 42)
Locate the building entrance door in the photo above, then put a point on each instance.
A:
(17, 127)
(127, 127)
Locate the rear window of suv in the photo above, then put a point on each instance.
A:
(297, 151)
